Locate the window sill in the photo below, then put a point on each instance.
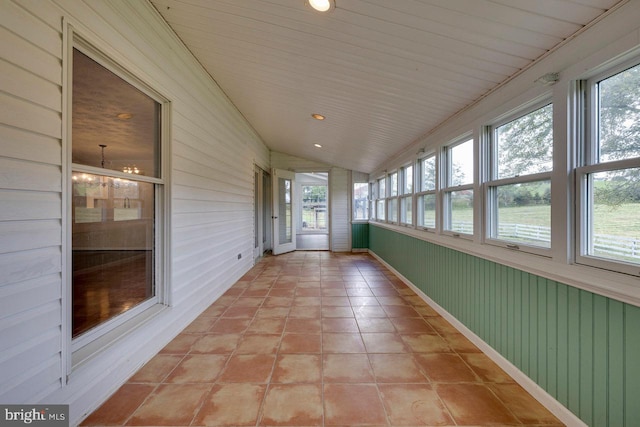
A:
(87, 352)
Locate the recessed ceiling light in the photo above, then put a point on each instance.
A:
(317, 145)
(124, 116)
(318, 116)
(322, 5)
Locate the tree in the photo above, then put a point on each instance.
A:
(619, 137)
(525, 145)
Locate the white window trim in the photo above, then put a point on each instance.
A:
(381, 198)
(490, 185)
(360, 220)
(588, 163)
(79, 350)
(446, 189)
(422, 192)
(391, 197)
(407, 195)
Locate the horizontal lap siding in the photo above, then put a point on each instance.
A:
(30, 205)
(213, 151)
(339, 207)
(582, 348)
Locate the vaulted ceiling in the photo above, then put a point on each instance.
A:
(383, 72)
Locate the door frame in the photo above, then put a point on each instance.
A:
(262, 212)
(290, 244)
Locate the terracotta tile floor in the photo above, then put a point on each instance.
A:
(320, 339)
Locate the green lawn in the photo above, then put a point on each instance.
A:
(623, 220)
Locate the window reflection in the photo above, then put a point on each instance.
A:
(113, 238)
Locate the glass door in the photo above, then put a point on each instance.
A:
(284, 230)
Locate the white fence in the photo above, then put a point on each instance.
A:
(614, 247)
(536, 234)
(617, 247)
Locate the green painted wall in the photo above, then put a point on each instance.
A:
(582, 348)
(360, 236)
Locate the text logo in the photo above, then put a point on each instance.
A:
(34, 415)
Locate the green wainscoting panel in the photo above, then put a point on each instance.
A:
(360, 235)
(582, 348)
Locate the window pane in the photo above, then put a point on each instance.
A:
(461, 211)
(360, 200)
(380, 210)
(524, 213)
(408, 180)
(393, 210)
(614, 219)
(428, 174)
(393, 184)
(619, 116)
(285, 220)
(113, 247)
(382, 193)
(406, 214)
(115, 126)
(427, 211)
(461, 161)
(525, 145)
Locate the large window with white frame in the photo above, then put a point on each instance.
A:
(457, 191)
(381, 198)
(519, 186)
(117, 194)
(406, 199)
(609, 177)
(392, 200)
(360, 201)
(426, 194)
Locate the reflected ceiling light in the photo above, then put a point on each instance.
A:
(322, 5)
(124, 116)
(130, 169)
(317, 145)
(318, 116)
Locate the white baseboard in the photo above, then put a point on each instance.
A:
(538, 393)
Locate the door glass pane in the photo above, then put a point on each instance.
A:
(256, 208)
(284, 211)
(113, 247)
(614, 219)
(524, 213)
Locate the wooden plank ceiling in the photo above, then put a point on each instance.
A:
(383, 72)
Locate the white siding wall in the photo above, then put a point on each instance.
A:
(340, 224)
(211, 181)
(30, 206)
